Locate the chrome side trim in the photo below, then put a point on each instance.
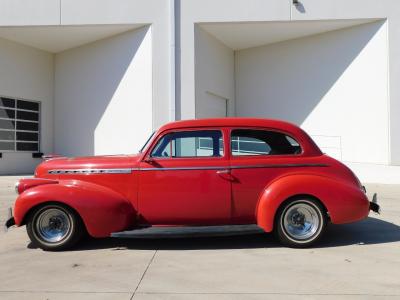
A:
(91, 171)
(130, 170)
(236, 167)
(185, 168)
(278, 166)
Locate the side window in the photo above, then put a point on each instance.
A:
(205, 143)
(262, 142)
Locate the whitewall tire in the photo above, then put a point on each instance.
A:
(300, 222)
(54, 227)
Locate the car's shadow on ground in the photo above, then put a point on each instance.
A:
(367, 232)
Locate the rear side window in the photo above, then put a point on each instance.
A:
(205, 143)
(262, 142)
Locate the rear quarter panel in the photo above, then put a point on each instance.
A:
(253, 174)
(344, 201)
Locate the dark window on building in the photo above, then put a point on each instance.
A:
(6, 102)
(262, 142)
(19, 125)
(27, 136)
(31, 147)
(29, 126)
(26, 115)
(29, 105)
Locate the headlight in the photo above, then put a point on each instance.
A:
(17, 187)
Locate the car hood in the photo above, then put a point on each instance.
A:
(87, 163)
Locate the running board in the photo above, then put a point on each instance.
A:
(188, 231)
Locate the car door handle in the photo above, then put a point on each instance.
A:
(226, 174)
(223, 172)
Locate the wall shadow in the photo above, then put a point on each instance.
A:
(368, 232)
(296, 74)
(86, 79)
(331, 84)
(300, 7)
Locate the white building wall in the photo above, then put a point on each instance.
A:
(215, 87)
(27, 73)
(154, 12)
(198, 11)
(103, 95)
(390, 9)
(28, 13)
(334, 85)
(194, 12)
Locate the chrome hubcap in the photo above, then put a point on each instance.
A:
(53, 225)
(301, 221)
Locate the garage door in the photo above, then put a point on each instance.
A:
(213, 106)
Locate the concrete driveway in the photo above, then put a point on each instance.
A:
(356, 261)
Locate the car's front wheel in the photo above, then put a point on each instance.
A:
(54, 227)
(300, 222)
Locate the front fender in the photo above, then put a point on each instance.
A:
(344, 202)
(102, 210)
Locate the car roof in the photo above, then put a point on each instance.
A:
(308, 145)
(231, 122)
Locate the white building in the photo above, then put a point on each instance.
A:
(107, 72)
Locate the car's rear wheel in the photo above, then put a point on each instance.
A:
(54, 227)
(300, 222)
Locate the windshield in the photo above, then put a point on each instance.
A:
(148, 140)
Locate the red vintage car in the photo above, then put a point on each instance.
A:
(195, 177)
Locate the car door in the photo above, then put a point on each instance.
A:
(258, 156)
(184, 179)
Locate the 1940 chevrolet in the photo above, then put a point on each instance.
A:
(196, 177)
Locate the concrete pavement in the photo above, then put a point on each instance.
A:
(355, 261)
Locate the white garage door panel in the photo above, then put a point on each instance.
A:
(213, 106)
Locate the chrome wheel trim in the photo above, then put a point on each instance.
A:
(301, 221)
(53, 225)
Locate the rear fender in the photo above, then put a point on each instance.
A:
(344, 202)
(102, 210)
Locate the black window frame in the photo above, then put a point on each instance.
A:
(31, 125)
